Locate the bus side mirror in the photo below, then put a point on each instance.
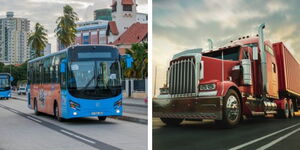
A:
(11, 78)
(254, 53)
(128, 60)
(63, 66)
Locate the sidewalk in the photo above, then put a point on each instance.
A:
(135, 102)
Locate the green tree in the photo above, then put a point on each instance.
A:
(139, 53)
(66, 27)
(38, 39)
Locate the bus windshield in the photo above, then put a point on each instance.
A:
(94, 79)
(4, 83)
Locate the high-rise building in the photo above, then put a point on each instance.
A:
(14, 33)
(103, 14)
(47, 49)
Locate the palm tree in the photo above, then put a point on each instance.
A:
(139, 53)
(38, 39)
(66, 27)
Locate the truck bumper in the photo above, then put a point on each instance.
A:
(188, 108)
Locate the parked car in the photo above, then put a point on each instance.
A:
(22, 91)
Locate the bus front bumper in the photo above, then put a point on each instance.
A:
(188, 108)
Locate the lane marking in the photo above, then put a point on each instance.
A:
(261, 138)
(13, 111)
(77, 136)
(278, 140)
(36, 120)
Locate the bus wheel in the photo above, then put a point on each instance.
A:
(101, 118)
(56, 113)
(36, 111)
(291, 109)
(171, 121)
(231, 110)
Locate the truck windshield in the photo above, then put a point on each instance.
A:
(94, 79)
(228, 54)
(4, 83)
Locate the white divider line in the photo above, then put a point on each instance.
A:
(13, 111)
(261, 138)
(277, 140)
(36, 120)
(77, 136)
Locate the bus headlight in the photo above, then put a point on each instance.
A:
(74, 105)
(207, 87)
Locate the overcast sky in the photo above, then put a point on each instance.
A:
(179, 25)
(47, 11)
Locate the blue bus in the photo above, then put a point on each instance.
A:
(80, 81)
(5, 85)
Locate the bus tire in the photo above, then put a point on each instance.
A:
(231, 110)
(56, 113)
(171, 121)
(36, 111)
(101, 118)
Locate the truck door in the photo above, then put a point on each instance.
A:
(272, 78)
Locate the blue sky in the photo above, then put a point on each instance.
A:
(47, 11)
(179, 25)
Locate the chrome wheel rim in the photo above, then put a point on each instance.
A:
(292, 110)
(286, 109)
(232, 108)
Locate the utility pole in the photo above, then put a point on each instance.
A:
(155, 81)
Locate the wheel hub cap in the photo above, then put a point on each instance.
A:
(232, 108)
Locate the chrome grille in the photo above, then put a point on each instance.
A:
(181, 77)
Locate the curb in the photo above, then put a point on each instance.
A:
(131, 119)
(137, 105)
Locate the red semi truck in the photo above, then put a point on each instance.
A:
(250, 77)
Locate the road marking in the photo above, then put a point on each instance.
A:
(13, 111)
(278, 140)
(261, 138)
(77, 136)
(36, 120)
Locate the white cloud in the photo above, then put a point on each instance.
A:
(80, 3)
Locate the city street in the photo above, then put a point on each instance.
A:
(259, 133)
(21, 129)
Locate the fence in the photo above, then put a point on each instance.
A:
(135, 88)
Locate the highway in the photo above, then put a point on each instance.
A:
(259, 133)
(20, 129)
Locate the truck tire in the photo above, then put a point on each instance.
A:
(231, 110)
(283, 113)
(291, 109)
(171, 121)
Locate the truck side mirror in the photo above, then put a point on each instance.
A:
(254, 53)
(63, 66)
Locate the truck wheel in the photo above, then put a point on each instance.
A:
(291, 109)
(284, 113)
(231, 110)
(171, 121)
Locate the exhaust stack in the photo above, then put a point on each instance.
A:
(263, 59)
(210, 44)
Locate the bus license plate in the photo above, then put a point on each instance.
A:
(97, 113)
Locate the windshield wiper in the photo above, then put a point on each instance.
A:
(87, 85)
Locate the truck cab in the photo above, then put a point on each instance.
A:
(223, 84)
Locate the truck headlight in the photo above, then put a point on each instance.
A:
(207, 87)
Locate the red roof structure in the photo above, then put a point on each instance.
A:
(113, 27)
(136, 33)
(127, 2)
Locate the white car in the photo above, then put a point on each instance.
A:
(22, 91)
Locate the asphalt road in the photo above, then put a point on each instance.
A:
(20, 129)
(258, 133)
